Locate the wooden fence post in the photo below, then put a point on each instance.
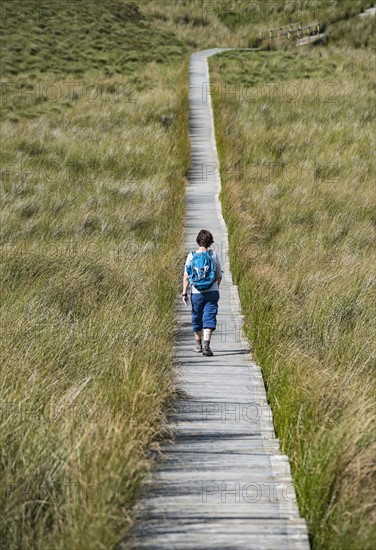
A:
(296, 30)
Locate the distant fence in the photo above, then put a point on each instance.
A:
(294, 30)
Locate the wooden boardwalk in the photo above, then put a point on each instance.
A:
(223, 483)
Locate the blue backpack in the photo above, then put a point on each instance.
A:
(201, 271)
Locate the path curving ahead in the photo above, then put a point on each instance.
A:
(224, 482)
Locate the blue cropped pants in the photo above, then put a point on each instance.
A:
(204, 310)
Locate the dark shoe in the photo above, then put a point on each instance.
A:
(198, 348)
(206, 349)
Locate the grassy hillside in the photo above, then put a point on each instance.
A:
(237, 23)
(296, 146)
(76, 38)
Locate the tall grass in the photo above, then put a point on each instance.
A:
(298, 195)
(93, 179)
(93, 200)
(355, 32)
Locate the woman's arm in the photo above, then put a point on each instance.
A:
(185, 283)
(218, 269)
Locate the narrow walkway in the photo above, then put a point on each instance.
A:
(224, 482)
(369, 12)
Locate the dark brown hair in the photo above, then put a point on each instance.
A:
(204, 238)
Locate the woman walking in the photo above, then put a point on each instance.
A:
(203, 274)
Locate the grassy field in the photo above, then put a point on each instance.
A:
(94, 157)
(95, 152)
(236, 23)
(295, 134)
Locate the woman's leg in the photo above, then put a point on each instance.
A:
(198, 336)
(197, 312)
(207, 334)
(210, 316)
(210, 311)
